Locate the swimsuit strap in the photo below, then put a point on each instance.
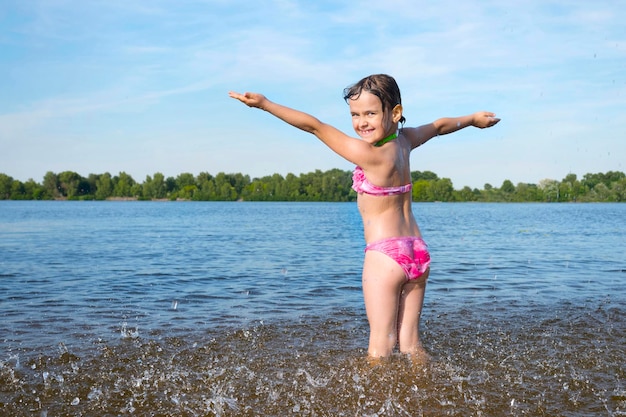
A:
(387, 139)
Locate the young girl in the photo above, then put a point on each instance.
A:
(396, 263)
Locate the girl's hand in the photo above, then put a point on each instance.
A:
(483, 119)
(250, 99)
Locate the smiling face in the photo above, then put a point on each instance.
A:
(369, 120)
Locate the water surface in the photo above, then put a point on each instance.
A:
(143, 308)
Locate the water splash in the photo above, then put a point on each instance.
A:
(127, 333)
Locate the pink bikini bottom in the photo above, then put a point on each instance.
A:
(410, 252)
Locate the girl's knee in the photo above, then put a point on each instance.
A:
(382, 344)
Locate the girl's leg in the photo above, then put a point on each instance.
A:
(409, 312)
(382, 282)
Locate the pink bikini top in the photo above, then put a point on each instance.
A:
(360, 184)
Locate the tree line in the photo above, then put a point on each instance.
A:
(333, 185)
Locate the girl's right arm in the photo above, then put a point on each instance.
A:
(294, 117)
(352, 149)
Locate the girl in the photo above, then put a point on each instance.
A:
(396, 263)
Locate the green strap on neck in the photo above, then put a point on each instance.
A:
(387, 139)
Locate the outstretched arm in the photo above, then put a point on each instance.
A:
(294, 117)
(420, 135)
(350, 148)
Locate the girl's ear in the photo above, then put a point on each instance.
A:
(396, 113)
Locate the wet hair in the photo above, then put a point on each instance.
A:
(382, 86)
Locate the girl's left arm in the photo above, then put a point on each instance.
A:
(422, 134)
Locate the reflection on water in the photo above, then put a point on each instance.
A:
(205, 309)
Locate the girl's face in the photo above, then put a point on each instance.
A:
(369, 121)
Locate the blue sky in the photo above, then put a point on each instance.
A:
(96, 86)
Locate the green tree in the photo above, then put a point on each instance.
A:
(442, 190)
(507, 187)
(238, 181)
(527, 192)
(293, 187)
(206, 187)
(104, 186)
(576, 188)
(6, 183)
(568, 188)
(92, 180)
(423, 175)
(466, 194)
(170, 185)
(255, 191)
(51, 185)
(184, 180)
(506, 191)
(18, 191)
(69, 184)
(136, 190)
(550, 189)
(312, 185)
(331, 185)
(224, 190)
(601, 192)
(619, 190)
(154, 187)
(591, 180)
(123, 185)
(33, 191)
(422, 190)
